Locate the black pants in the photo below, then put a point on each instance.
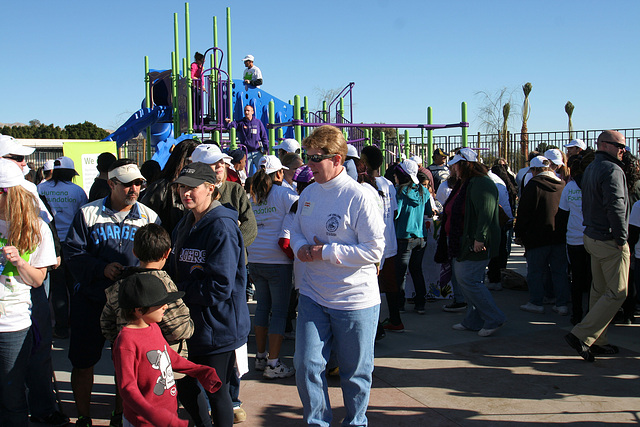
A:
(580, 266)
(500, 261)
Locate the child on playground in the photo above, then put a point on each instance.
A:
(143, 359)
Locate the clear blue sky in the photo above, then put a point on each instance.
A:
(65, 62)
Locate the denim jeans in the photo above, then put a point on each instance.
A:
(554, 258)
(14, 357)
(410, 254)
(350, 334)
(273, 291)
(253, 162)
(482, 311)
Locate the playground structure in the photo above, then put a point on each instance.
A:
(174, 104)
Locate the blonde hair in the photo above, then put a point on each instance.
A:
(23, 217)
(328, 139)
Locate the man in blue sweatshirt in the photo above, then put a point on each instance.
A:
(252, 135)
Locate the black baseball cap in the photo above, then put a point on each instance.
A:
(144, 290)
(195, 174)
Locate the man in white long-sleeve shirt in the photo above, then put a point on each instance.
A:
(338, 233)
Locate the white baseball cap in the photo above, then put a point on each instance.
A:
(209, 154)
(410, 168)
(416, 159)
(554, 155)
(10, 174)
(576, 143)
(126, 173)
(352, 151)
(289, 145)
(538, 162)
(48, 165)
(8, 145)
(64, 162)
(271, 164)
(466, 154)
(248, 58)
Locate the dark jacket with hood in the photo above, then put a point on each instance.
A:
(207, 263)
(536, 222)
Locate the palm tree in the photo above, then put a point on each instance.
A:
(506, 108)
(526, 111)
(568, 108)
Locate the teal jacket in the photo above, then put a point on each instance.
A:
(480, 220)
(411, 209)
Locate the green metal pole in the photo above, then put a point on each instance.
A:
(305, 130)
(324, 111)
(232, 138)
(187, 31)
(430, 136)
(216, 136)
(279, 134)
(383, 144)
(189, 98)
(272, 120)
(230, 89)
(399, 147)
(297, 129)
(367, 135)
(147, 101)
(174, 90)
(176, 38)
(407, 144)
(465, 141)
(341, 111)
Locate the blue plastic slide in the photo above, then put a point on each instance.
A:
(138, 122)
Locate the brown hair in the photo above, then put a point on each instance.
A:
(469, 170)
(328, 139)
(22, 215)
(261, 185)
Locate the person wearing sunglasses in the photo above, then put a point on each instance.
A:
(605, 209)
(98, 247)
(338, 233)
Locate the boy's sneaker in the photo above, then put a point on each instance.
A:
(279, 371)
(239, 414)
(261, 363)
(532, 308)
(454, 307)
(84, 422)
(394, 328)
(56, 418)
(562, 310)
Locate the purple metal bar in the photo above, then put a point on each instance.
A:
(371, 125)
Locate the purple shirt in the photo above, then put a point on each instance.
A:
(252, 134)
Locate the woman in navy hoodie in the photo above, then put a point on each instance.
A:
(207, 262)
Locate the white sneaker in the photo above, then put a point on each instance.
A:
(488, 332)
(279, 371)
(459, 327)
(563, 310)
(532, 308)
(261, 363)
(494, 286)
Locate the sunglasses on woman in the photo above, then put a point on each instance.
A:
(317, 158)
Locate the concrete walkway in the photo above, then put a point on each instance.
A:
(431, 375)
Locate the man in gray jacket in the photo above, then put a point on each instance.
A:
(605, 208)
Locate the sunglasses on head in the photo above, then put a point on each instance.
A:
(317, 158)
(14, 157)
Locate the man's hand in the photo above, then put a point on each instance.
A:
(113, 271)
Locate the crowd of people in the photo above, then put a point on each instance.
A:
(161, 264)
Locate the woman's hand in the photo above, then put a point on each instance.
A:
(12, 255)
(309, 253)
(478, 246)
(32, 276)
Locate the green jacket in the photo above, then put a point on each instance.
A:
(480, 220)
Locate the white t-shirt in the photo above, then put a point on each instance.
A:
(390, 205)
(503, 194)
(269, 216)
(634, 219)
(65, 199)
(252, 74)
(15, 295)
(344, 218)
(571, 201)
(443, 192)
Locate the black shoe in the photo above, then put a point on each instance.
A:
(583, 350)
(380, 333)
(604, 349)
(57, 419)
(84, 422)
(116, 419)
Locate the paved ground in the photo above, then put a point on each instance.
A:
(431, 375)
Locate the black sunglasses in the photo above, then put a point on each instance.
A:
(14, 157)
(137, 182)
(615, 144)
(317, 158)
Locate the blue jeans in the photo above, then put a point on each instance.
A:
(482, 311)
(253, 162)
(273, 291)
(350, 334)
(554, 258)
(14, 358)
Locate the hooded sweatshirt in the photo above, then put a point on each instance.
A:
(207, 263)
(536, 222)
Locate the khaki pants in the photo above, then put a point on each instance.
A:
(610, 268)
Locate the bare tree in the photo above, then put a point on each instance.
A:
(491, 111)
(327, 95)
